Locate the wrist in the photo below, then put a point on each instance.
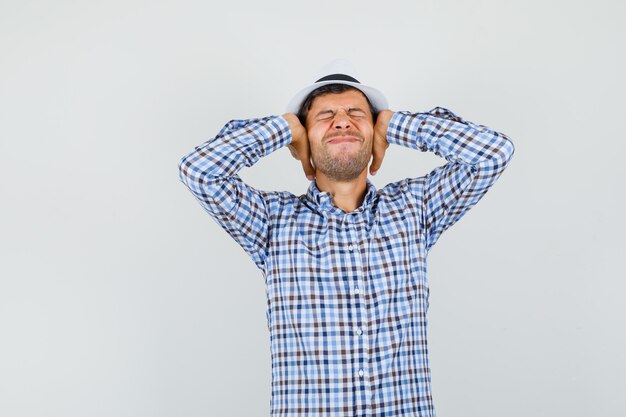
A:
(296, 128)
(382, 122)
(386, 115)
(292, 120)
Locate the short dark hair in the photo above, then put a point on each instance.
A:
(329, 89)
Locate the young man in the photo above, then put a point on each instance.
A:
(345, 264)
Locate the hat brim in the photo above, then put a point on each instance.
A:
(378, 100)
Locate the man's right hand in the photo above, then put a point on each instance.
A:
(299, 146)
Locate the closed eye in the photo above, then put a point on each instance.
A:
(325, 115)
(329, 114)
(356, 113)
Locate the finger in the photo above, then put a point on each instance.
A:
(377, 158)
(307, 165)
(293, 152)
(375, 166)
(308, 170)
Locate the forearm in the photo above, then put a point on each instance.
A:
(451, 137)
(210, 173)
(476, 157)
(240, 143)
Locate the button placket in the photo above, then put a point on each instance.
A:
(354, 254)
(361, 285)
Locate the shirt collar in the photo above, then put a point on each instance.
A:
(324, 200)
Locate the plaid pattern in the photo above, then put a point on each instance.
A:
(347, 293)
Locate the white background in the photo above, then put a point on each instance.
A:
(120, 296)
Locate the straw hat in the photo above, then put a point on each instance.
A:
(339, 71)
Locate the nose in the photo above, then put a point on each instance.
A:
(342, 121)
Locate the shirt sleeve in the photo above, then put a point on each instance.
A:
(210, 173)
(476, 157)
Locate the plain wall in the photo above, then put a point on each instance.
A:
(120, 296)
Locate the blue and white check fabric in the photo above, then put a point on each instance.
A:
(347, 293)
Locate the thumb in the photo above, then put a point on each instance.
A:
(378, 153)
(307, 164)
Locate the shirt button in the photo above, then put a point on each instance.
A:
(359, 331)
(351, 248)
(356, 290)
(361, 372)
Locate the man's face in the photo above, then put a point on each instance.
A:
(340, 128)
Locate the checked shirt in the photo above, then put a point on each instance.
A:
(347, 293)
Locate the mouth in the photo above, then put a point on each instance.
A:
(343, 139)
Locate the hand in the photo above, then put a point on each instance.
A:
(380, 144)
(299, 146)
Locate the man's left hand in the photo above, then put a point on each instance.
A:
(380, 144)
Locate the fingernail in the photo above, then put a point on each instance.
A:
(374, 172)
(310, 177)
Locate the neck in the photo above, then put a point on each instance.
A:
(347, 195)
